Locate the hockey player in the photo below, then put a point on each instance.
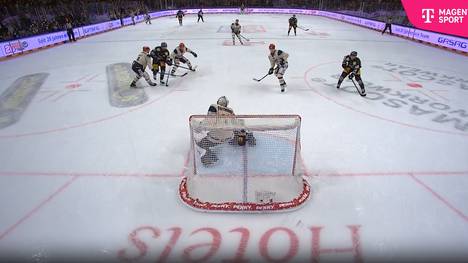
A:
(216, 137)
(388, 24)
(280, 59)
(352, 68)
(139, 66)
(180, 14)
(178, 56)
(200, 16)
(161, 57)
(147, 19)
(292, 24)
(236, 29)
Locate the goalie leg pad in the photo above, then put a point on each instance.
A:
(209, 158)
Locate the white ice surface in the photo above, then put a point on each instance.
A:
(78, 176)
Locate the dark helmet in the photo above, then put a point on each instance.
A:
(164, 44)
(353, 53)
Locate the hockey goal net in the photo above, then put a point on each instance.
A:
(244, 163)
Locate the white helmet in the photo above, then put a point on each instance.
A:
(223, 101)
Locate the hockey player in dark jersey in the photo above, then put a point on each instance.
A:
(180, 14)
(352, 68)
(200, 16)
(292, 24)
(161, 57)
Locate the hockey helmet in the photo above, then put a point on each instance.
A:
(237, 20)
(294, 15)
(353, 54)
(164, 44)
(181, 45)
(272, 47)
(223, 101)
(146, 49)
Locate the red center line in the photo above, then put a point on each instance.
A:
(443, 200)
(38, 207)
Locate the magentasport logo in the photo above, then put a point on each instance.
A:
(414, 96)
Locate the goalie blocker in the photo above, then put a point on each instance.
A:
(253, 166)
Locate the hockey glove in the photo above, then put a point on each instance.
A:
(194, 54)
(351, 76)
(169, 62)
(270, 71)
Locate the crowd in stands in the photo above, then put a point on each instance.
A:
(24, 18)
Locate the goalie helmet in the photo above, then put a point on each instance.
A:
(223, 101)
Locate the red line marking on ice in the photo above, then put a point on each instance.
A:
(38, 207)
(443, 200)
(9, 136)
(93, 77)
(86, 174)
(82, 78)
(438, 95)
(423, 93)
(414, 85)
(61, 96)
(182, 173)
(50, 95)
(424, 173)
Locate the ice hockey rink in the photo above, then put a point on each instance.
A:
(83, 180)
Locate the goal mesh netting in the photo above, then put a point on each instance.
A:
(244, 163)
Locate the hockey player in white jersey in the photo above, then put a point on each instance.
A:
(139, 66)
(220, 116)
(236, 30)
(178, 57)
(279, 59)
(215, 137)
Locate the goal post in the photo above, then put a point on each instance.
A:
(244, 163)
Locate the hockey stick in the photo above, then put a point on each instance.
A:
(244, 37)
(260, 79)
(176, 75)
(357, 88)
(305, 29)
(167, 80)
(191, 69)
